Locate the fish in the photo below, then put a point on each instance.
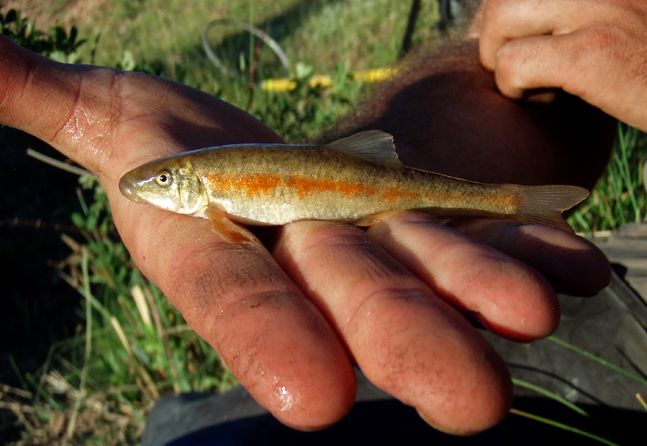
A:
(358, 179)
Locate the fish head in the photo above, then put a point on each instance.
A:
(171, 184)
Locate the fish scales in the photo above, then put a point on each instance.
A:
(276, 185)
(357, 179)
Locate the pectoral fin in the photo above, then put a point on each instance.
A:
(227, 229)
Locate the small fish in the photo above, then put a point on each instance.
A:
(357, 179)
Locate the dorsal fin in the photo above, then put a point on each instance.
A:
(372, 145)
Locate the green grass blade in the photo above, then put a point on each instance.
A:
(627, 137)
(562, 426)
(549, 394)
(598, 359)
(88, 345)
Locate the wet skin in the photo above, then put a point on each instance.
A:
(292, 321)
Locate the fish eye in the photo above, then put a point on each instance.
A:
(163, 178)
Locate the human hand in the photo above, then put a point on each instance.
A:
(291, 323)
(594, 49)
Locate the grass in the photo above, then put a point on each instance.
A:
(128, 346)
(319, 33)
(620, 196)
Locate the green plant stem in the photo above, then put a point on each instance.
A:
(56, 163)
(598, 359)
(562, 426)
(627, 138)
(88, 344)
(549, 394)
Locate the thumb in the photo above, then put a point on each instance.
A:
(50, 101)
(96, 115)
(37, 95)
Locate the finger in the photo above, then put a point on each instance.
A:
(505, 20)
(509, 297)
(237, 298)
(34, 95)
(476, 23)
(96, 115)
(593, 64)
(572, 264)
(544, 61)
(406, 340)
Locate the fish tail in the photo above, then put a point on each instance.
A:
(545, 204)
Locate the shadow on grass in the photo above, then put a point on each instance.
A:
(280, 26)
(236, 46)
(37, 308)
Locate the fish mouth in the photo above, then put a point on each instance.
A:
(128, 189)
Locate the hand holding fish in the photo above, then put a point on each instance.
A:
(594, 49)
(292, 319)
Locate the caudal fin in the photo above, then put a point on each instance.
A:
(544, 204)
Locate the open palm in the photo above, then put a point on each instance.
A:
(292, 322)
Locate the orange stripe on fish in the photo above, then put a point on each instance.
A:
(394, 194)
(305, 186)
(258, 184)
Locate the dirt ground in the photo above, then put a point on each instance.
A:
(48, 14)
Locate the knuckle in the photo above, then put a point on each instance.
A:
(500, 14)
(492, 25)
(508, 75)
(336, 237)
(506, 58)
(215, 271)
(387, 364)
(594, 48)
(494, 18)
(383, 296)
(361, 256)
(90, 120)
(599, 40)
